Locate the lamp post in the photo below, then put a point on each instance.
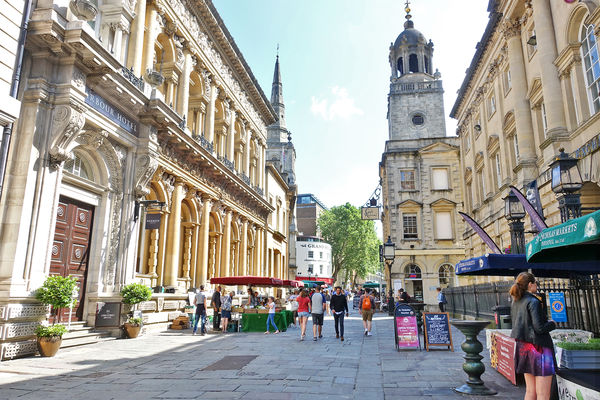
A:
(389, 253)
(514, 213)
(566, 180)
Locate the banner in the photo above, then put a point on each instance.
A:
(482, 234)
(536, 219)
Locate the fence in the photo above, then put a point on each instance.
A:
(582, 298)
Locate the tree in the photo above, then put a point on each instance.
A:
(354, 243)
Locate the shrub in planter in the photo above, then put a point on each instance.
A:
(135, 293)
(132, 327)
(57, 291)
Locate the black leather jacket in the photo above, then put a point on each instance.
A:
(530, 323)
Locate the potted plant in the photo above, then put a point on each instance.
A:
(133, 294)
(57, 291)
(579, 355)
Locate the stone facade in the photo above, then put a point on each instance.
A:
(128, 110)
(420, 174)
(522, 100)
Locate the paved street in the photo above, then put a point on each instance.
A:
(176, 365)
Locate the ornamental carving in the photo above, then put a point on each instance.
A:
(67, 122)
(511, 28)
(145, 167)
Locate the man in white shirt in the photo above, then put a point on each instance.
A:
(200, 303)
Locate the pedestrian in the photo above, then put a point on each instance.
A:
(367, 307)
(252, 298)
(403, 296)
(294, 304)
(319, 307)
(339, 305)
(271, 315)
(328, 300)
(303, 312)
(226, 310)
(200, 303)
(531, 328)
(215, 303)
(442, 301)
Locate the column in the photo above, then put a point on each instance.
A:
(244, 249)
(261, 166)
(183, 95)
(568, 101)
(226, 246)
(174, 233)
(209, 128)
(519, 95)
(546, 48)
(149, 41)
(136, 45)
(118, 43)
(247, 153)
(187, 250)
(579, 90)
(231, 136)
(202, 270)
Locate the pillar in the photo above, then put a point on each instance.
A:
(226, 245)
(183, 94)
(579, 90)
(231, 137)
(136, 44)
(149, 40)
(244, 249)
(209, 128)
(522, 110)
(174, 233)
(247, 153)
(202, 271)
(546, 49)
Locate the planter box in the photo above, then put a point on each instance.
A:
(578, 359)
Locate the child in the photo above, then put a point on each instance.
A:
(271, 318)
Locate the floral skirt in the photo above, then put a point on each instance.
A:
(534, 360)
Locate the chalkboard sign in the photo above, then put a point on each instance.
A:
(108, 314)
(406, 330)
(437, 330)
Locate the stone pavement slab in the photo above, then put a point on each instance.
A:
(170, 365)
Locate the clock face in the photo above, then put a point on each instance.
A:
(418, 119)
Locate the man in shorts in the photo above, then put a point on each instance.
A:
(367, 307)
(318, 307)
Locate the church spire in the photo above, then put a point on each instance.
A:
(277, 94)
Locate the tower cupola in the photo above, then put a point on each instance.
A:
(411, 52)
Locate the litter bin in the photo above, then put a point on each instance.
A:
(502, 317)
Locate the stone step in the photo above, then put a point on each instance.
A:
(81, 339)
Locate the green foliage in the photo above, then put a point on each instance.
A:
(135, 293)
(134, 321)
(52, 330)
(57, 291)
(354, 243)
(591, 345)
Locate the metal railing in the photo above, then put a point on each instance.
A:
(137, 82)
(582, 298)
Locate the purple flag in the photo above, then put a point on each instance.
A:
(536, 219)
(482, 234)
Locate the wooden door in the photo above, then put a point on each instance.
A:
(70, 251)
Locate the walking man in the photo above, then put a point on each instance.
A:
(441, 297)
(200, 303)
(367, 307)
(318, 306)
(215, 303)
(339, 305)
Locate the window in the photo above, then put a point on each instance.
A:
(531, 48)
(401, 65)
(481, 179)
(418, 119)
(321, 255)
(440, 178)
(311, 254)
(321, 269)
(443, 225)
(498, 171)
(413, 63)
(469, 196)
(426, 59)
(468, 142)
(544, 121)
(477, 126)
(589, 49)
(78, 167)
(446, 273)
(507, 81)
(310, 268)
(491, 105)
(409, 226)
(412, 271)
(407, 180)
(516, 146)
(575, 102)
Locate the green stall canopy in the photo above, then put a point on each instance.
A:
(575, 240)
(371, 285)
(312, 284)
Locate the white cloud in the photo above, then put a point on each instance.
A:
(339, 105)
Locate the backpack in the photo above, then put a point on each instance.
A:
(366, 303)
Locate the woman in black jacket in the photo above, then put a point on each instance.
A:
(531, 328)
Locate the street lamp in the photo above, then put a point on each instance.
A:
(514, 213)
(566, 180)
(389, 253)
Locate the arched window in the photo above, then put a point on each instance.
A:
(413, 63)
(412, 271)
(589, 49)
(427, 64)
(78, 167)
(401, 65)
(446, 273)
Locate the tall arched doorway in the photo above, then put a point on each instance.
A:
(413, 281)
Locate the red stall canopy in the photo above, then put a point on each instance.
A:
(247, 280)
(293, 283)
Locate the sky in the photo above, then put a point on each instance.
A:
(335, 71)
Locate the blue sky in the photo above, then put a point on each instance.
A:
(335, 72)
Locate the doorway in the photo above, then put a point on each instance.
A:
(70, 249)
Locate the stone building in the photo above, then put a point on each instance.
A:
(419, 172)
(309, 209)
(131, 111)
(531, 89)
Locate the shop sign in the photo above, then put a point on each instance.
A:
(108, 314)
(557, 306)
(370, 213)
(505, 353)
(406, 330)
(591, 146)
(101, 105)
(437, 330)
(153, 220)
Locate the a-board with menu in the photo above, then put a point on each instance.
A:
(406, 330)
(437, 330)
